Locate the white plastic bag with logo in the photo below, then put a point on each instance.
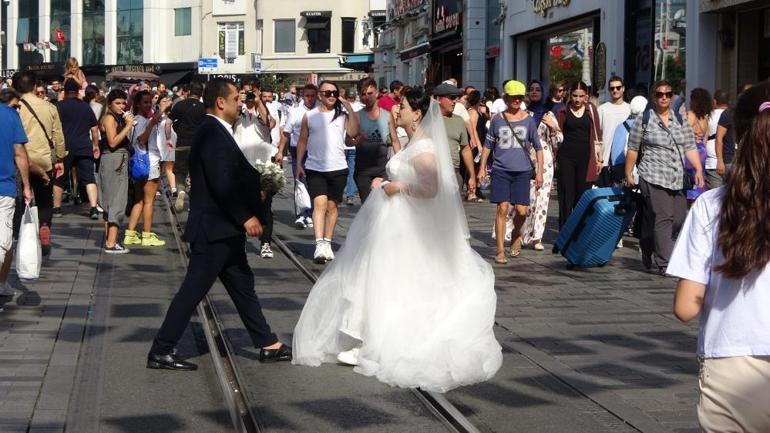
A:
(28, 253)
(301, 197)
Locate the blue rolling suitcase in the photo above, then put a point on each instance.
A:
(595, 226)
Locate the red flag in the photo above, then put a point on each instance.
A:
(59, 35)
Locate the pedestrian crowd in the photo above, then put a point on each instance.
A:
(72, 141)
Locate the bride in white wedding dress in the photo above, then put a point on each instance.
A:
(407, 300)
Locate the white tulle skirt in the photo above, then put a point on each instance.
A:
(420, 304)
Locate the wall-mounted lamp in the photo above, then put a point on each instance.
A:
(726, 38)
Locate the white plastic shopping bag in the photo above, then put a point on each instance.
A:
(28, 254)
(301, 197)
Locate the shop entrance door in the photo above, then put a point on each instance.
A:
(563, 55)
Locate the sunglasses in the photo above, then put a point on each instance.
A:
(660, 95)
(616, 88)
(330, 93)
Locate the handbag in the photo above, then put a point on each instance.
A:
(139, 166)
(28, 252)
(526, 154)
(597, 143)
(47, 137)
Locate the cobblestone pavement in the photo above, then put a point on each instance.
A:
(603, 335)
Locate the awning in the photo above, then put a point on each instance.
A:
(131, 76)
(415, 51)
(316, 25)
(359, 62)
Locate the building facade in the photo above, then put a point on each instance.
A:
(332, 40)
(120, 33)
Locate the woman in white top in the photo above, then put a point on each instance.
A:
(144, 190)
(407, 300)
(722, 258)
(164, 140)
(322, 136)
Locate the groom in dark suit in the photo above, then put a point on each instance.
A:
(225, 207)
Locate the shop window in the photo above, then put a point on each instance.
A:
(60, 25)
(564, 57)
(348, 35)
(27, 33)
(231, 41)
(130, 35)
(183, 22)
(284, 36)
(669, 41)
(318, 34)
(93, 32)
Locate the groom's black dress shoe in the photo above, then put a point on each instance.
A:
(282, 353)
(169, 362)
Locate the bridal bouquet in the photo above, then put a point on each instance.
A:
(272, 177)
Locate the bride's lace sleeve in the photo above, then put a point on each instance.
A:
(425, 181)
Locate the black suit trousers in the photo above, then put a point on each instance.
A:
(224, 259)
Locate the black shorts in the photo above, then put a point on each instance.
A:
(85, 166)
(328, 183)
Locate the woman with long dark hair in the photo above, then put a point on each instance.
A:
(578, 159)
(698, 117)
(144, 190)
(115, 126)
(721, 259)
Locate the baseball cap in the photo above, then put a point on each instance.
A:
(515, 88)
(446, 89)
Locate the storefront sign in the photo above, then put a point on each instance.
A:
(316, 14)
(151, 68)
(447, 16)
(600, 66)
(541, 6)
(403, 7)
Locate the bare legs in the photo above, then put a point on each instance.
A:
(145, 199)
(324, 217)
(519, 216)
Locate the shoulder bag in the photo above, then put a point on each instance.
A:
(47, 137)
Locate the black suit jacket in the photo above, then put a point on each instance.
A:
(225, 189)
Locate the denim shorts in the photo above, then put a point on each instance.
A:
(510, 186)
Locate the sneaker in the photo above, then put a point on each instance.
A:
(99, 209)
(7, 290)
(620, 244)
(132, 238)
(319, 255)
(266, 252)
(179, 202)
(349, 357)
(538, 246)
(45, 240)
(328, 250)
(174, 193)
(349, 201)
(309, 222)
(94, 214)
(300, 224)
(116, 249)
(150, 239)
(57, 212)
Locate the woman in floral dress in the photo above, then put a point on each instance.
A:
(550, 136)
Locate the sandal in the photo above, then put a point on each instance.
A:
(501, 260)
(474, 199)
(515, 248)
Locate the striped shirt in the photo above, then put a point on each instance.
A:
(663, 150)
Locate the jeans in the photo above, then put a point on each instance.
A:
(350, 188)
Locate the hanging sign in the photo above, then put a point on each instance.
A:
(541, 6)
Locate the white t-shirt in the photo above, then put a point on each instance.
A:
(325, 141)
(294, 122)
(610, 116)
(711, 145)
(251, 135)
(735, 319)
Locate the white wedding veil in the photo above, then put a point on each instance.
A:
(432, 184)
